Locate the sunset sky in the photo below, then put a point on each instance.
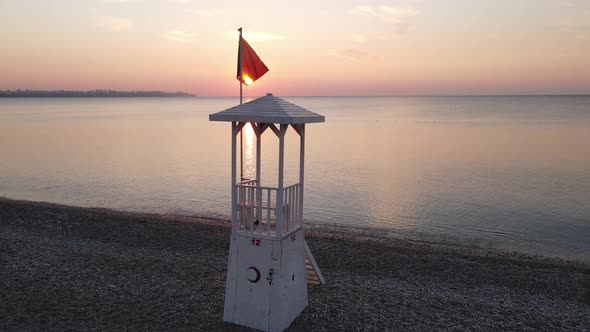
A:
(345, 47)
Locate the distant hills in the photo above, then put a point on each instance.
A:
(91, 93)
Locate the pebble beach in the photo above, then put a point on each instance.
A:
(73, 268)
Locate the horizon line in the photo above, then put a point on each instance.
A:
(195, 95)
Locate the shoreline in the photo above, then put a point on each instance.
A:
(375, 233)
(96, 268)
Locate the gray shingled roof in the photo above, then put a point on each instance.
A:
(268, 109)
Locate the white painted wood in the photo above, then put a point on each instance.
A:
(301, 170)
(297, 128)
(290, 297)
(268, 109)
(233, 174)
(258, 176)
(268, 212)
(275, 313)
(291, 207)
(250, 197)
(274, 129)
(296, 206)
(252, 295)
(262, 127)
(275, 246)
(230, 288)
(271, 288)
(241, 155)
(280, 180)
(255, 206)
(240, 126)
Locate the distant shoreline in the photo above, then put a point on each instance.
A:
(90, 94)
(146, 94)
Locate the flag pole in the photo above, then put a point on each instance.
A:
(241, 131)
(240, 60)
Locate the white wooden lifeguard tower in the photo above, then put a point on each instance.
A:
(269, 260)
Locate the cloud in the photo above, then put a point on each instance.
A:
(397, 14)
(354, 54)
(178, 36)
(363, 10)
(399, 17)
(114, 23)
(359, 37)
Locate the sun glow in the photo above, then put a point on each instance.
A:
(247, 80)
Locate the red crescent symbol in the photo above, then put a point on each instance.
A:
(257, 279)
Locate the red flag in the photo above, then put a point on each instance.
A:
(252, 67)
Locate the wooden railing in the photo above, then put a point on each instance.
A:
(257, 209)
(292, 211)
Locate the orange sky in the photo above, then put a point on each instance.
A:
(311, 48)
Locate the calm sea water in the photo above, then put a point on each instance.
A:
(507, 172)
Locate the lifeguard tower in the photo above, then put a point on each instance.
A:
(269, 261)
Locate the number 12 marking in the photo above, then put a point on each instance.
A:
(255, 242)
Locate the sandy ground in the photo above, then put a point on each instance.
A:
(94, 269)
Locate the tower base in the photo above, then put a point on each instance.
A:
(266, 287)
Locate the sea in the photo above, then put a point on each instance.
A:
(510, 173)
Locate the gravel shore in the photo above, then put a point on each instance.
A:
(77, 268)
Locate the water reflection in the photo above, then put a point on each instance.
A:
(511, 171)
(249, 148)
